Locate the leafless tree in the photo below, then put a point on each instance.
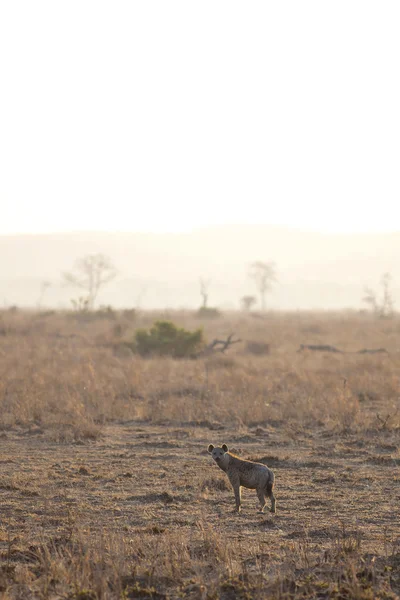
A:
(264, 275)
(384, 308)
(370, 298)
(91, 273)
(44, 286)
(204, 287)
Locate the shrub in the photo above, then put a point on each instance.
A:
(82, 313)
(129, 314)
(205, 312)
(258, 348)
(106, 312)
(166, 339)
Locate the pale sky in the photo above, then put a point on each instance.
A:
(169, 115)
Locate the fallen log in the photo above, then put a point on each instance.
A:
(319, 348)
(327, 348)
(373, 351)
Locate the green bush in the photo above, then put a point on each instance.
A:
(166, 339)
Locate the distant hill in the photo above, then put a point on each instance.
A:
(162, 270)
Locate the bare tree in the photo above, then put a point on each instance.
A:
(370, 298)
(385, 307)
(264, 275)
(204, 287)
(44, 286)
(387, 300)
(91, 273)
(139, 296)
(247, 302)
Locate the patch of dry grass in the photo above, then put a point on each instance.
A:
(107, 490)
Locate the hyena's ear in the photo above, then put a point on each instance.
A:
(224, 447)
(210, 448)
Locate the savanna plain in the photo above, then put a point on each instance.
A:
(106, 487)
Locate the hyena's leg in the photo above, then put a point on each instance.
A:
(235, 482)
(270, 495)
(238, 494)
(261, 497)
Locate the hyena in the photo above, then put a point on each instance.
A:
(246, 473)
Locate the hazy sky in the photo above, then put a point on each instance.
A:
(166, 115)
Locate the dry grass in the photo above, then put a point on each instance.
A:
(107, 490)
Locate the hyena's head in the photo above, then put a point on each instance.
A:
(219, 454)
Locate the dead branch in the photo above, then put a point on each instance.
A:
(218, 346)
(224, 344)
(384, 421)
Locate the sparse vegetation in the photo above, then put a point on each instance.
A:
(107, 489)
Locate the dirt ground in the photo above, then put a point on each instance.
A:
(140, 482)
